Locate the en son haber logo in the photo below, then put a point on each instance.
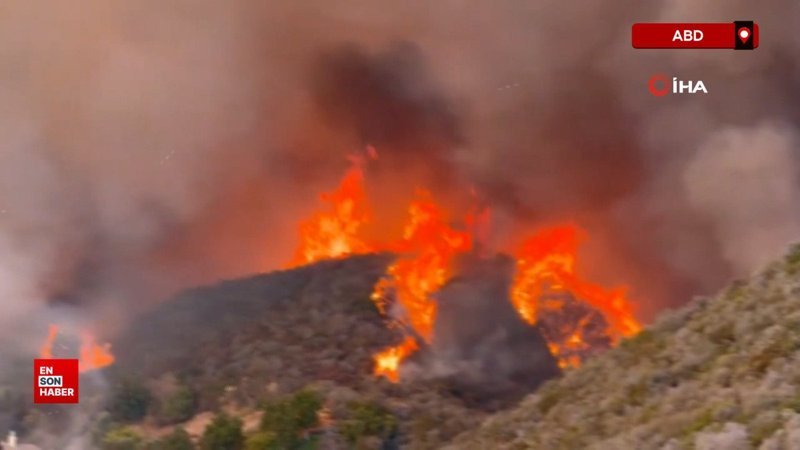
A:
(55, 381)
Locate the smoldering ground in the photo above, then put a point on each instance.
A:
(151, 146)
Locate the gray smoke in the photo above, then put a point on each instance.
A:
(745, 181)
(480, 344)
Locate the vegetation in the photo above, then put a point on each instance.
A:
(721, 373)
(121, 438)
(223, 433)
(262, 440)
(367, 419)
(178, 407)
(273, 335)
(130, 400)
(285, 421)
(177, 440)
(793, 259)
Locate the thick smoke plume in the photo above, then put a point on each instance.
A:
(150, 146)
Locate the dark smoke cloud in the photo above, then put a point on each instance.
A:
(390, 99)
(558, 125)
(556, 171)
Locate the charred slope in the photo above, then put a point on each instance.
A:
(722, 373)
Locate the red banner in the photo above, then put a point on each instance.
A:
(55, 381)
(735, 35)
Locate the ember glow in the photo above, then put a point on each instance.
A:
(387, 362)
(92, 356)
(546, 272)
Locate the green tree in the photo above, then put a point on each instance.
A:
(223, 433)
(263, 440)
(286, 419)
(178, 407)
(177, 440)
(367, 419)
(130, 400)
(121, 438)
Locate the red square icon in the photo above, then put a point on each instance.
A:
(55, 381)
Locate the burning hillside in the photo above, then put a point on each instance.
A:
(576, 316)
(432, 324)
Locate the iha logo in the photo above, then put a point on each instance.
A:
(660, 86)
(55, 381)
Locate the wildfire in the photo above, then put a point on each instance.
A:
(545, 275)
(546, 263)
(428, 245)
(93, 356)
(46, 351)
(334, 233)
(387, 362)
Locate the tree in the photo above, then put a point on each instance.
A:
(130, 400)
(223, 433)
(365, 420)
(178, 407)
(177, 440)
(121, 438)
(288, 418)
(263, 440)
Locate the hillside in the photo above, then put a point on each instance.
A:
(271, 337)
(290, 355)
(273, 348)
(721, 373)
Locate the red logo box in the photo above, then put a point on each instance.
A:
(55, 381)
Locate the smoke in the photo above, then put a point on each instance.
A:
(119, 132)
(389, 99)
(746, 182)
(555, 122)
(151, 146)
(481, 345)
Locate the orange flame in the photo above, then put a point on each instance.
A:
(46, 350)
(387, 362)
(546, 262)
(93, 356)
(429, 244)
(334, 233)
